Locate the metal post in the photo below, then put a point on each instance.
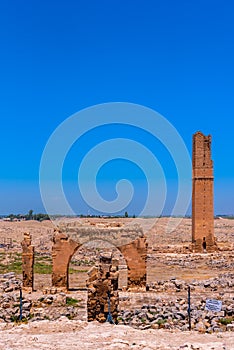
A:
(109, 316)
(21, 304)
(189, 308)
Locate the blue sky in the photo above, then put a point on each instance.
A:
(59, 57)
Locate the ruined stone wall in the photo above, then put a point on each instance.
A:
(102, 285)
(135, 254)
(27, 261)
(130, 241)
(62, 251)
(202, 195)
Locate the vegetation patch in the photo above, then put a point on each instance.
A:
(72, 301)
(42, 268)
(226, 320)
(72, 271)
(161, 322)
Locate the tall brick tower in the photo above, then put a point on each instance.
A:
(202, 198)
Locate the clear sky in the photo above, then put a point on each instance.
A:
(59, 57)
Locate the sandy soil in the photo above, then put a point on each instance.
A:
(68, 335)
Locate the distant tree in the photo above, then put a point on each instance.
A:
(11, 216)
(30, 215)
(41, 217)
(126, 214)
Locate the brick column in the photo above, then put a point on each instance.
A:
(135, 254)
(202, 195)
(27, 261)
(62, 251)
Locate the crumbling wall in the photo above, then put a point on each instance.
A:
(62, 251)
(135, 254)
(202, 195)
(27, 261)
(130, 241)
(102, 285)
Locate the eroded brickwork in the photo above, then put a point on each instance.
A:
(62, 251)
(202, 195)
(27, 261)
(68, 238)
(102, 287)
(135, 254)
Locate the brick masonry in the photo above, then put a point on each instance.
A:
(68, 238)
(27, 261)
(102, 285)
(202, 194)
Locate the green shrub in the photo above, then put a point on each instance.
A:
(72, 301)
(226, 321)
(161, 322)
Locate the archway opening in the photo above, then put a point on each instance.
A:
(87, 256)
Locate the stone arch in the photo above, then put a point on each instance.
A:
(135, 254)
(89, 255)
(65, 246)
(62, 251)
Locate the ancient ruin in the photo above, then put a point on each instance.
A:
(105, 295)
(27, 261)
(102, 285)
(130, 240)
(68, 238)
(62, 251)
(202, 195)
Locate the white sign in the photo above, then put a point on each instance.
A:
(213, 305)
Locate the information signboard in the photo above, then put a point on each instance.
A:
(213, 305)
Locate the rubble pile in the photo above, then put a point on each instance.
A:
(224, 282)
(102, 284)
(173, 314)
(9, 282)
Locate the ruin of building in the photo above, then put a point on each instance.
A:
(202, 194)
(27, 261)
(130, 241)
(102, 288)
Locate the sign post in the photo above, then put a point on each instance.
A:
(21, 304)
(109, 316)
(189, 308)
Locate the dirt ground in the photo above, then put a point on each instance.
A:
(69, 335)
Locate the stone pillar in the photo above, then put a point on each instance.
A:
(27, 261)
(202, 195)
(135, 254)
(62, 251)
(102, 284)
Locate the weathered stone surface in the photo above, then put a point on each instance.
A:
(202, 195)
(62, 251)
(27, 261)
(135, 254)
(68, 238)
(102, 287)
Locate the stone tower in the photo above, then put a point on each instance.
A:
(202, 197)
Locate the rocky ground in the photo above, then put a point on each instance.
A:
(155, 319)
(164, 306)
